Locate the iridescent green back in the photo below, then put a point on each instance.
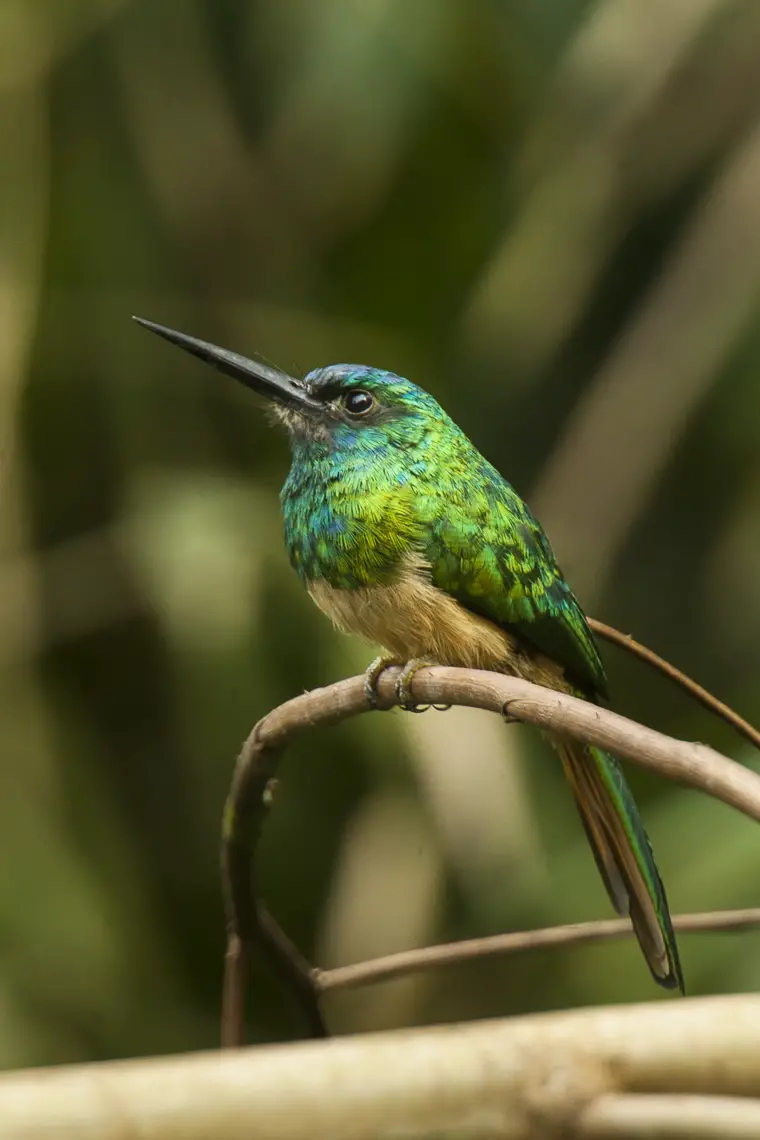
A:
(488, 551)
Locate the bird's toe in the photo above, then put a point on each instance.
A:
(404, 684)
(372, 675)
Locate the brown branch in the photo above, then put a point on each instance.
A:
(693, 688)
(518, 942)
(247, 919)
(692, 764)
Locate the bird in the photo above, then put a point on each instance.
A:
(403, 533)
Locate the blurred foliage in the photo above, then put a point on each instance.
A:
(548, 214)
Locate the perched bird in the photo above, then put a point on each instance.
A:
(404, 534)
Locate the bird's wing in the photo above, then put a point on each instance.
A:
(491, 554)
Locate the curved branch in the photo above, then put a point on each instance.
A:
(692, 764)
(517, 942)
(249, 798)
(693, 688)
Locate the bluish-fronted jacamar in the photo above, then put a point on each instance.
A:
(404, 534)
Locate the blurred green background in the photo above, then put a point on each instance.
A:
(549, 215)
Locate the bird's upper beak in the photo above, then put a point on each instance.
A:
(269, 382)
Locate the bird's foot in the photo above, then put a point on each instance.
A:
(404, 684)
(372, 676)
(507, 716)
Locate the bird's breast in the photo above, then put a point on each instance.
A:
(347, 532)
(410, 617)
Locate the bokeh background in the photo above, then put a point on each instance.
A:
(549, 215)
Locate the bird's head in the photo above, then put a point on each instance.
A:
(342, 406)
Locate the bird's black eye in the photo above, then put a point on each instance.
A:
(357, 402)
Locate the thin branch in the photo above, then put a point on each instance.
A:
(518, 942)
(693, 688)
(670, 1117)
(247, 919)
(551, 1074)
(692, 764)
(298, 972)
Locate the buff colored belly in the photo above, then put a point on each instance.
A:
(412, 618)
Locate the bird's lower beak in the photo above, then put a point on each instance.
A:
(269, 382)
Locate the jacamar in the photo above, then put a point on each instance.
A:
(403, 533)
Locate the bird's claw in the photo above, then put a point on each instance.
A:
(372, 676)
(507, 716)
(404, 685)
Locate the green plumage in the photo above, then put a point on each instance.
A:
(404, 533)
(358, 499)
(362, 494)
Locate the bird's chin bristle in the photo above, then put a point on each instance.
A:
(277, 415)
(305, 427)
(285, 417)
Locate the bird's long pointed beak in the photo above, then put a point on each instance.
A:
(269, 382)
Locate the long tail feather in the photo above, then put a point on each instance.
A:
(623, 854)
